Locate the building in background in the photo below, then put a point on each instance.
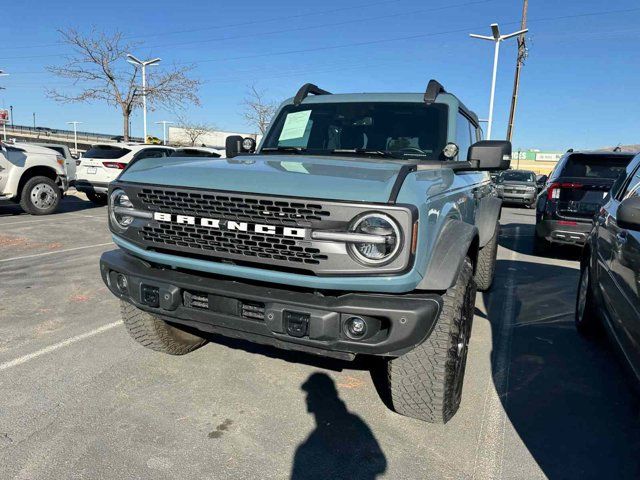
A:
(210, 138)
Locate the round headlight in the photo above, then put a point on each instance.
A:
(450, 150)
(118, 203)
(378, 252)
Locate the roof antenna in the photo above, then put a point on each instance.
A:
(617, 148)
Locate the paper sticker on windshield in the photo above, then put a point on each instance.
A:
(295, 125)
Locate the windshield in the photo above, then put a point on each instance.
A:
(106, 152)
(595, 166)
(514, 176)
(399, 129)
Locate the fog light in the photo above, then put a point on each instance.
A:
(356, 327)
(122, 284)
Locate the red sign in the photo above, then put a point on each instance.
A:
(4, 116)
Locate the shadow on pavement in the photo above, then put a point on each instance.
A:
(69, 203)
(509, 234)
(569, 399)
(341, 446)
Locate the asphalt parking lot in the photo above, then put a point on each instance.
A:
(79, 399)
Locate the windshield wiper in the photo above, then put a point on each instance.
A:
(362, 151)
(284, 149)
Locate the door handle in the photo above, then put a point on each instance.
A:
(622, 237)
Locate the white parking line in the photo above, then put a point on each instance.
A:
(20, 360)
(52, 220)
(490, 446)
(55, 251)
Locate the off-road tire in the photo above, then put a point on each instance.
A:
(486, 265)
(587, 319)
(38, 206)
(97, 198)
(156, 334)
(426, 382)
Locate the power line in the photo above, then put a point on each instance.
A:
(273, 32)
(380, 41)
(164, 33)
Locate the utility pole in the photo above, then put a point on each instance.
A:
(75, 134)
(143, 64)
(34, 120)
(164, 124)
(522, 54)
(4, 121)
(497, 38)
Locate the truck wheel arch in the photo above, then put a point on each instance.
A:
(456, 241)
(489, 211)
(38, 170)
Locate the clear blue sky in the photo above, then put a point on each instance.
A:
(579, 86)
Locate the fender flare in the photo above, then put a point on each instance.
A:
(456, 239)
(489, 210)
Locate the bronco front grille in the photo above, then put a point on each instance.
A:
(231, 206)
(248, 245)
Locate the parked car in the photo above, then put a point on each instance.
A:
(609, 287)
(33, 176)
(198, 152)
(361, 226)
(517, 187)
(102, 163)
(69, 159)
(573, 194)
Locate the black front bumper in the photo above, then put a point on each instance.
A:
(266, 314)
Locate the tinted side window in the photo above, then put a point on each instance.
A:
(463, 135)
(633, 188)
(151, 153)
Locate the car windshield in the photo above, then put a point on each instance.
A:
(106, 152)
(595, 166)
(393, 130)
(513, 176)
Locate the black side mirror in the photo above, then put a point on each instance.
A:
(490, 154)
(233, 145)
(542, 180)
(628, 215)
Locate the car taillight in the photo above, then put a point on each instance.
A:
(118, 165)
(553, 191)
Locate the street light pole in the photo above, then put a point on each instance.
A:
(75, 134)
(143, 65)
(164, 130)
(497, 38)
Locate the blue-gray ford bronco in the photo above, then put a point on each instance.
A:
(361, 225)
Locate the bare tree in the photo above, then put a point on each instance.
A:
(193, 130)
(98, 67)
(257, 110)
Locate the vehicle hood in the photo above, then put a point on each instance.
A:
(513, 183)
(35, 149)
(336, 178)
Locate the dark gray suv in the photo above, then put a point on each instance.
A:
(609, 288)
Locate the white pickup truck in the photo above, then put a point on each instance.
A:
(33, 176)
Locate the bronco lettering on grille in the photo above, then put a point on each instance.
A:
(231, 225)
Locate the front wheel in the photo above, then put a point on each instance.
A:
(587, 318)
(97, 198)
(40, 196)
(426, 383)
(156, 334)
(486, 264)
